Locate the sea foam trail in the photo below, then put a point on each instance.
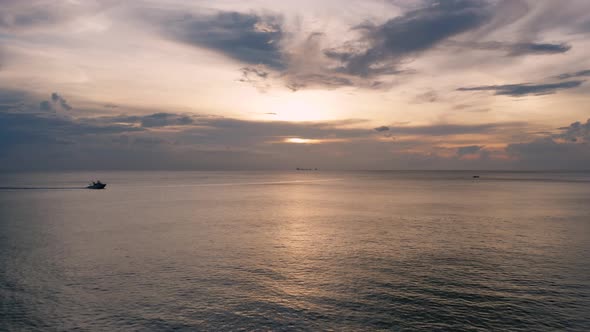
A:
(41, 188)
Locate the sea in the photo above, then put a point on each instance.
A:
(295, 251)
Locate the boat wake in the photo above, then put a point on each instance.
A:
(41, 188)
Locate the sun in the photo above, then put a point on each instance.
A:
(299, 140)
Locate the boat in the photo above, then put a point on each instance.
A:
(96, 185)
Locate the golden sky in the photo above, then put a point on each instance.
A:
(277, 84)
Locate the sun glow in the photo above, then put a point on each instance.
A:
(300, 106)
(299, 140)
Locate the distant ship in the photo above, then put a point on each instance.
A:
(97, 185)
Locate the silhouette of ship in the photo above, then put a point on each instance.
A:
(96, 185)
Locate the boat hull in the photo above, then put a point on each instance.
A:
(97, 186)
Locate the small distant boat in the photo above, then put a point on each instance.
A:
(476, 176)
(96, 185)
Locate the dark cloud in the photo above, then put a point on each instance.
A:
(48, 128)
(51, 141)
(14, 16)
(260, 40)
(249, 38)
(547, 153)
(55, 103)
(303, 69)
(520, 90)
(165, 119)
(61, 101)
(473, 108)
(581, 73)
(576, 132)
(25, 16)
(256, 76)
(147, 121)
(40, 140)
(535, 48)
(514, 49)
(467, 150)
(257, 72)
(299, 81)
(383, 46)
(569, 149)
(455, 129)
(46, 106)
(427, 97)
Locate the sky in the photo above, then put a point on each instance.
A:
(262, 84)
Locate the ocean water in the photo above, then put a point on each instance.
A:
(295, 251)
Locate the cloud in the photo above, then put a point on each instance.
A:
(49, 128)
(40, 15)
(256, 76)
(18, 15)
(165, 119)
(254, 71)
(44, 140)
(467, 150)
(455, 129)
(382, 46)
(569, 149)
(546, 153)
(55, 103)
(50, 140)
(576, 132)
(62, 102)
(581, 73)
(46, 106)
(514, 49)
(155, 120)
(299, 81)
(520, 90)
(249, 38)
(427, 97)
(535, 48)
(279, 54)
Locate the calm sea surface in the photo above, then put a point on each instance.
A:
(341, 251)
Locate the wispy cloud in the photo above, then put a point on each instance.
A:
(581, 73)
(382, 46)
(525, 89)
(514, 49)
